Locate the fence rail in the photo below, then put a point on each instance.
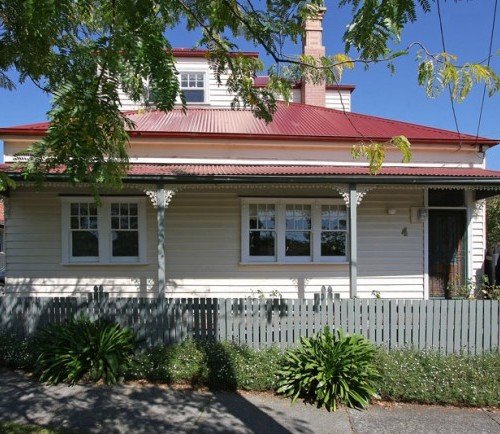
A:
(448, 326)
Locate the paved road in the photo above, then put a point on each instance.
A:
(151, 409)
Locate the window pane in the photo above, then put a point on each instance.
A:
(123, 222)
(125, 243)
(262, 243)
(298, 243)
(84, 222)
(342, 223)
(133, 209)
(74, 209)
(115, 223)
(192, 95)
(262, 216)
(333, 243)
(298, 217)
(253, 222)
(133, 223)
(74, 223)
(115, 209)
(333, 217)
(85, 243)
(92, 222)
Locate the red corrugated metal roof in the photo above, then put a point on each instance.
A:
(278, 170)
(243, 170)
(290, 122)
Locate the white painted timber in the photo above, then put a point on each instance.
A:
(338, 99)
(219, 96)
(203, 251)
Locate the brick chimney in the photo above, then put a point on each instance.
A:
(312, 45)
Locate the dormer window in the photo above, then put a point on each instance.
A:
(193, 86)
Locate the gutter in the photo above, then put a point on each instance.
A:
(364, 179)
(6, 132)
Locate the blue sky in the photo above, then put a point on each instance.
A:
(467, 27)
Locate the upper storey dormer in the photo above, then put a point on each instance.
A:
(199, 85)
(201, 89)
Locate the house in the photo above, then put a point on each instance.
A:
(220, 204)
(2, 252)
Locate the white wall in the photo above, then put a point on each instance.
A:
(203, 250)
(33, 243)
(212, 151)
(218, 96)
(338, 99)
(478, 238)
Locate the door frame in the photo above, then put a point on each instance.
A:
(469, 212)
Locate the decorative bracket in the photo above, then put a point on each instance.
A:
(153, 196)
(361, 192)
(477, 211)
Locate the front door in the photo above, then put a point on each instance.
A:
(446, 251)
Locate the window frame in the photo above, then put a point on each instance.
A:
(280, 229)
(104, 231)
(205, 84)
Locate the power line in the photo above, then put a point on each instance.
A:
(444, 50)
(488, 64)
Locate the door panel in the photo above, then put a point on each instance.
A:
(446, 251)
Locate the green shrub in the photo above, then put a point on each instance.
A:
(432, 378)
(330, 369)
(16, 353)
(218, 365)
(178, 363)
(82, 349)
(231, 366)
(21, 428)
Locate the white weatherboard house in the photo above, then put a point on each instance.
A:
(219, 204)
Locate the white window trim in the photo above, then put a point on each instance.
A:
(104, 231)
(196, 70)
(280, 228)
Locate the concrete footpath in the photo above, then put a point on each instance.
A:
(135, 408)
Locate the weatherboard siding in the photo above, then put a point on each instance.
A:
(211, 151)
(203, 250)
(219, 96)
(478, 249)
(338, 99)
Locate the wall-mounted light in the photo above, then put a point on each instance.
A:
(422, 214)
(391, 211)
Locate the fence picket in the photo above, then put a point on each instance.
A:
(494, 326)
(392, 343)
(336, 314)
(262, 323)
(456, 326)
(479, 326)
(486, 329)
(449, 325)
(436, 321)
(471, 328)
(408, 323)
